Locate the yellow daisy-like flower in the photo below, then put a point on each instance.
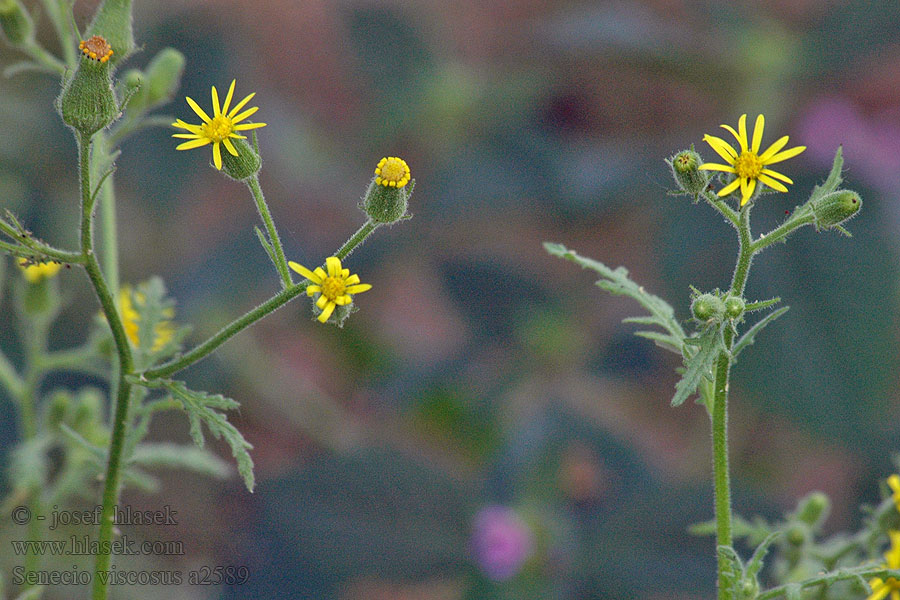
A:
(334, 288)
(894, 483)
(880, 587)
(35, 272)
(392, 172)
(165, 330)
(218, 130)
(748, 164)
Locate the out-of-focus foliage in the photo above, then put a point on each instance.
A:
(481, 371)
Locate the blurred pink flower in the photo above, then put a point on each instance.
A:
(871, 142)
(501, 542)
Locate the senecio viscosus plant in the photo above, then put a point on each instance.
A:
(806, 565)
(135, 344)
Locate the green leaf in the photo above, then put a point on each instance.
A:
(834, 178)
(265, 244)
(756, 561)
(204, 408)
(760, 305)
(177, 456)
(157, 336)
(28, 463)
(734, 570)
(616, 281)
(749, 337)
(698, 365)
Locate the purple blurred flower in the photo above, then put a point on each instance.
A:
(501, 542)
(871, 142)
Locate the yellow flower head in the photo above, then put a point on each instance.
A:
(165, 330)
(880, 587)
(220, 128)
(894, 483)
(96, 48)
(35, 272)
(748, 164)
(334, 288)
(392, 172)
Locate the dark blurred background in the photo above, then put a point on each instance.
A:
(486, 388)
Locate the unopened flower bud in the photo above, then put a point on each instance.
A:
(243, 166)
(163, 76)
(15, 23)
(388, 195)
(708, 306)
(88, 103)
(734, 307)
(836, 208)
(813, 509)
(132, 86)
(112, 21)
(56, 409)
(796, 535)
(687, 175)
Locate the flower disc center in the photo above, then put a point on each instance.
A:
(218, 129)
(748, 165)
(333, 287)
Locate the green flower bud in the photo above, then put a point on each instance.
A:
(734, 307)
(89, 409)
(243, 166)
(88, 103)
(796, 535)
(813, 509)
(687, 175)
(835, 208)
(708, 306)
(15, 23)
(112, 21)
(57, 409)
(339, 315)
(133, 83)
(164, 76)
(387, 198)
(749, 589)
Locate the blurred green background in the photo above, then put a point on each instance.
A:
(479, 370)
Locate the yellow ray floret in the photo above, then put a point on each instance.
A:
(748, 164)
(333, 287)
(882, 587)
(220, 129)
(35, 272)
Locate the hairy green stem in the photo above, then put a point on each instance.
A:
(831, 578)
(356, 239)
(274, 240)
(726, 211)
(60, 14)
(721, 477)
(9, 378)
(207, 347)
(108, 226)
(803, 216)
(112, 480)
(249, 318)
(45, 59)
(28, 246)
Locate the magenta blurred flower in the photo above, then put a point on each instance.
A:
(501, 542)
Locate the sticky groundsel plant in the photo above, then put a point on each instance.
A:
(135, 344)
(806, 566)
